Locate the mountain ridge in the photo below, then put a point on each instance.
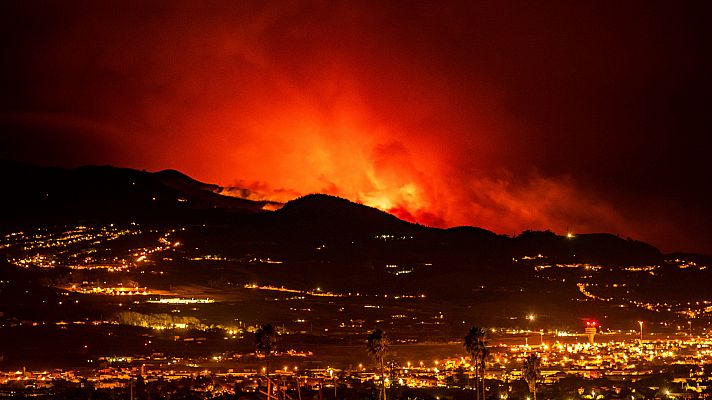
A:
(52, 194)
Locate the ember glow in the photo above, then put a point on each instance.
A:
(563, 117)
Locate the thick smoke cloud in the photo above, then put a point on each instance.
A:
(505, 116)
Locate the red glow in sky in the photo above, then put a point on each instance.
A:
(503, 116)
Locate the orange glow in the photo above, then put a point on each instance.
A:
(350, 150)
(413, 110)
(365, 125)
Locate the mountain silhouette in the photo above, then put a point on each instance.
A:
(36, 194)
(44, 195)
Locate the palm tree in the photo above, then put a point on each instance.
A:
(531, 371)
(476, 346)
(484, 356)
(377, 346)
(265, 345)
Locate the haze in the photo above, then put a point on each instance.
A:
(581, 116)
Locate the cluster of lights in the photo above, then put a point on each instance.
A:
(114, 291)
(179, 300)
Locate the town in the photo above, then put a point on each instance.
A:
(571, 366)
(154, 311)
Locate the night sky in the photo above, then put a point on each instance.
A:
(587, 115)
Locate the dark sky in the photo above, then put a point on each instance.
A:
(588, 115)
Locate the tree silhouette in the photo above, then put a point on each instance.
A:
(476, 346)
(377, 346)
(266, 345)
(484, 356)
(531, 371)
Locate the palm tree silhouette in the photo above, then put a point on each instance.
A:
(484, 356)
(531, 371)
(377, 346)
(476, 346)
(266, 345)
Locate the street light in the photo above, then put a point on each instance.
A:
(641, 330)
